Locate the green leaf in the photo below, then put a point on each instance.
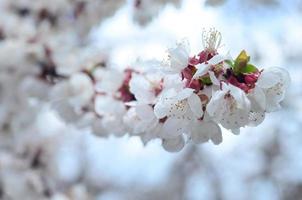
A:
(206, 80)
(249, 68)
(241, 64)
(242, 59)
(230, 62)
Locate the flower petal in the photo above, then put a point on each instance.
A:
(174, 144)
(203, 131)
(195, 105)
(267, 79)
(216, 60)
(202, 69)
(213, 78)
(160, 110)
(174, 127)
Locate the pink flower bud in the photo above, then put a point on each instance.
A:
(251, 79)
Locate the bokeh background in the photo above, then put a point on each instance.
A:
(261, 163)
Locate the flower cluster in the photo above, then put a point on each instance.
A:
(183, 99)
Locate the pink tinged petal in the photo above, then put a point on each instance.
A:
(251, 79)
(174, 144)
(194, 84)
(187, 73)
(204, 56)
(193, 61)
(195, 105)
(173, 127)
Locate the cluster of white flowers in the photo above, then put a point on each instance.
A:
(183, 99)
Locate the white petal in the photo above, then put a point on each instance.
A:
(202, 69)
(81, 89)
(105, 105)
(216, 60)
(174, 144)
(285, 77)
(256, 118)
(213, 78)
(236, 131)
(185, 93)
(203, 131)
(272, 106)
(151, 133)
(173, 127)
(141, 88)
(258, 99)
(241, 99)
(66, 111)
(195, 105)
(108, 80)
(145, 112)
(215, 103)
(267, 79)
(179, 56)
(98, 129)
(160, 110)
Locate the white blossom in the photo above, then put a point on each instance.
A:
(145, 88)
(178, 57)
(230, 107)
(274, 82)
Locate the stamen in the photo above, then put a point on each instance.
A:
(211, 39)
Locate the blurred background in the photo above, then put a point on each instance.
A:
(45, 158)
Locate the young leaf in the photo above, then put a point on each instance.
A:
(242, 59)
(241, 62)
(249, 68)
(206, 80)
(230, 63)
